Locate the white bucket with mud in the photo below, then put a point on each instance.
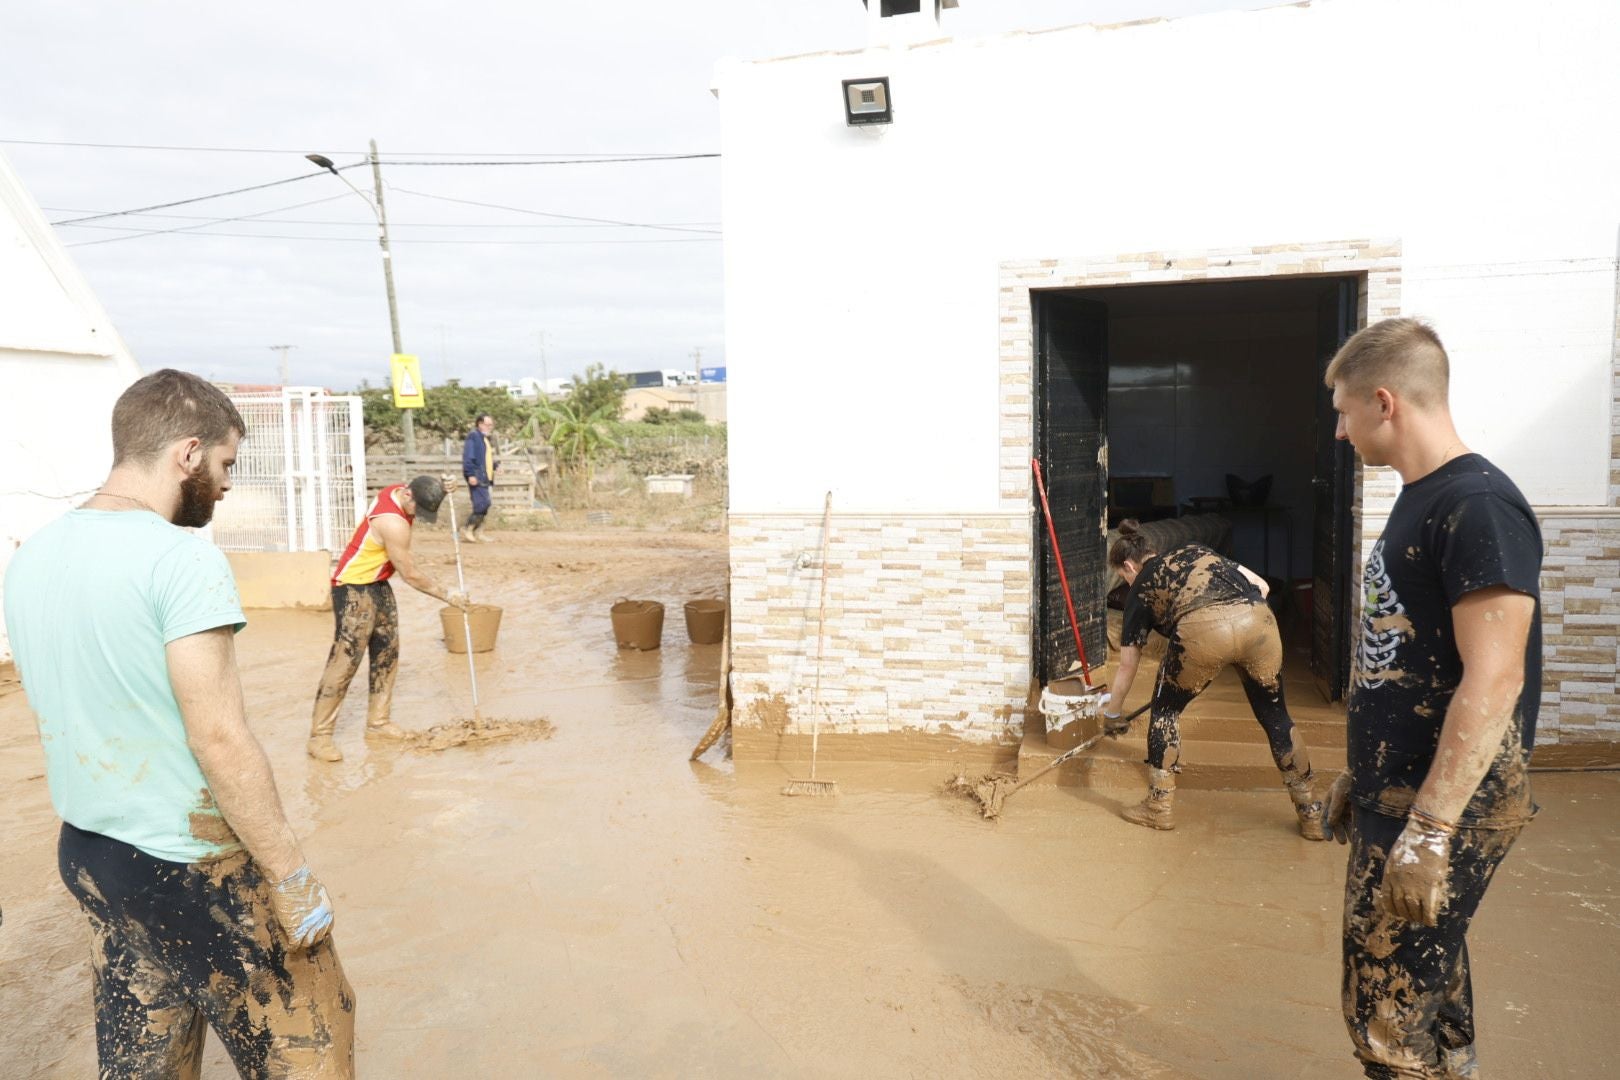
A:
(484, 620)
(1070, 711)
(638, 624)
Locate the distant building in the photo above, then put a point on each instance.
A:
(638, 400)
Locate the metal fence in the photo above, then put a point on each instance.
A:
(300, 477)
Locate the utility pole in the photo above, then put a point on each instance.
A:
(545, 372)
(283, 350)
(407, 420)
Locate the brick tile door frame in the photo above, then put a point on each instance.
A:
(1376, 262)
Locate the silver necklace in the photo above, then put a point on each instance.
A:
(127, 498)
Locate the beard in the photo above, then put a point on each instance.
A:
(198, 494)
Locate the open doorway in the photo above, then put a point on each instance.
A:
(1201, 405)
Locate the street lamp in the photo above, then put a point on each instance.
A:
(407, 420)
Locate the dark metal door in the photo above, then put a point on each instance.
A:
(1332, 558)
(1071, 440)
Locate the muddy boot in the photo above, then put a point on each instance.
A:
(380, 704)
(323, 724)
(482, 536)
(466, 534)
(1460, 1064)
(1157, 811)
(1307, 806)
(322, 748)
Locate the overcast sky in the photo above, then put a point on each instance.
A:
(477, 286)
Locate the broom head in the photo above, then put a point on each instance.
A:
(810, 787)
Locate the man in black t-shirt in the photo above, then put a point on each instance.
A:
(1442, 707)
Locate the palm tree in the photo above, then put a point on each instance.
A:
(578, 437)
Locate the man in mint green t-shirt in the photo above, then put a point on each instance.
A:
(122, 625)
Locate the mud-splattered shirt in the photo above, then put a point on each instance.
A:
(1177, 583)
(92, 601)
(1462, 528)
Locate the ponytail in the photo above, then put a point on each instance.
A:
(1131, 545)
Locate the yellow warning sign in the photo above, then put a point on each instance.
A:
(408, 392)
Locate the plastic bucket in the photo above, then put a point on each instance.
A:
(638, 624)
(706, 621)
(485, 621)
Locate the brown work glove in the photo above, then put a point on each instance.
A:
(1336, 808)
(302, 907)
(1417, 874)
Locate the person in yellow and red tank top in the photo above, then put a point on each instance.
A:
(365, 618)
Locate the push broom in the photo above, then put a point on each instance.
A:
(466, 619)
(812, 786)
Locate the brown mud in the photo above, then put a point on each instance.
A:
(594, 905)
(462, 732)
(208, 825)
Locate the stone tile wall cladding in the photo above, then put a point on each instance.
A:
(927, 618)
(933, 612)
(1580, 601)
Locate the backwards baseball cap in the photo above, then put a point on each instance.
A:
(428, 492)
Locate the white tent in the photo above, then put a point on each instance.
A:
(62, 365)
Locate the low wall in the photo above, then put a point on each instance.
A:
(927, 644)
(513, 490)
(1580, 607)
(282, 579)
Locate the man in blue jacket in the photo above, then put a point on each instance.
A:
(478, 465)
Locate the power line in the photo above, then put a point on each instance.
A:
(199, 225)
(549, 214)
(581, 154)
(136, 234)
(557, 161)
(372, 224)
(196, 199)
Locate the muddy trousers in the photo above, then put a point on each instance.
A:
(481, 499)
(1205, 641)
(366, 622)
(178, 948)
(1407, 996)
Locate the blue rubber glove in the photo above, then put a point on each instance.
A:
(302, 907)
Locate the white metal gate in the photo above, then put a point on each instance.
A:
(300, 477)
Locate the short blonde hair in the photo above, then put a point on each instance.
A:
(1402, 355)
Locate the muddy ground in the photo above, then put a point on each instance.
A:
(591, 905)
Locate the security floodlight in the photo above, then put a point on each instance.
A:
(908, 7)
(866, 101)
(323, 161)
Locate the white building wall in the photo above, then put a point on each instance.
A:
(872, 352)
(862, 262)
(62, 366)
